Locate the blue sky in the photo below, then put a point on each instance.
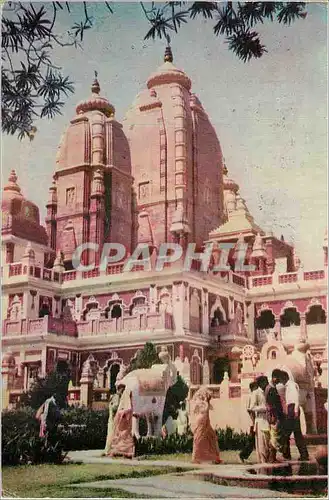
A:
(270, 114)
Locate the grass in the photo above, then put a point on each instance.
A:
(228, 457)
(39, 481)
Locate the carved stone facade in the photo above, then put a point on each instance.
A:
(160, 178)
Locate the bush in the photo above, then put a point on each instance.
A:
(228, 439)
(21, 443)
(84, 429)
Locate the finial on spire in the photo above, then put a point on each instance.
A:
(95, 88)
(168, 57)
(12, 182)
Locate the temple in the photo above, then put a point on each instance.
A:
(158, 177)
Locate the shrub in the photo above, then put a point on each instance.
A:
(21, 443)
(82, 429)
(228, 439)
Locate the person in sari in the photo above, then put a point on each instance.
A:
(113, 408)
(121, 442)
(205, 442)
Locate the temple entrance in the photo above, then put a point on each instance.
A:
(221, 365)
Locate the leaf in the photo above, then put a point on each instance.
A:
(291, 11)
(246, 45)
(202, 8)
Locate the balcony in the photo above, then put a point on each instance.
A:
(149, 322)
(40, 326)
(274, 280)
(218, 330)
(23, 272)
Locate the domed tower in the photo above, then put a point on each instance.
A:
(20, 222)
(90, 200)
(176, 158)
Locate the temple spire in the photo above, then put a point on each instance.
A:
(95, 88)
(168, 57)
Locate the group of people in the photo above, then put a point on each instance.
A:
(273, 407)
(274, 410)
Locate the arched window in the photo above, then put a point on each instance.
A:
(113, 309)
(218, 318)
(290, 317)
(265, 320)
(316, 315)
(273, 354)
(138, 306)
(116, 311)
(221, 365)
(44, 310)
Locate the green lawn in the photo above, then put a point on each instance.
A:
(39, 481)
(228, 457)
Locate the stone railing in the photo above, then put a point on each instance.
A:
(218, 330)
(18, 269)
(293, 334)
(148, 322)
(224, 390)
(285, 278)
(39, 326)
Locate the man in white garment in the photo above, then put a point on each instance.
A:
(262, 427)
(292, 421)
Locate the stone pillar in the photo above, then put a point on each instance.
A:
(205, 311)
(78, 307)
(26, 377)
(234, 360)
(303, 328)
(231, 307)
(34, 309)
(186, 371)
(8, 370)
(57, 306)
(181, 307)
(4, 306)
(277, 327)
(26, 309)
(250, 320)
(206, 373)
(86, 391)
(153, 298)
(87, 382)
(43, 368)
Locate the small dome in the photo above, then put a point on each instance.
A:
(20, 216)
(11, 192)
(95, 102)
(168, 73)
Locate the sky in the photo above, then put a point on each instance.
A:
(270, 114)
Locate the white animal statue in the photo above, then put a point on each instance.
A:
(148, 388)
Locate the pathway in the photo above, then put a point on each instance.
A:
(176, 485)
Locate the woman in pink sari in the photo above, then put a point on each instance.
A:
(205, 442)
(121, 443)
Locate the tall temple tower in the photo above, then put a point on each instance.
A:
(177, 161)
(91, 197)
